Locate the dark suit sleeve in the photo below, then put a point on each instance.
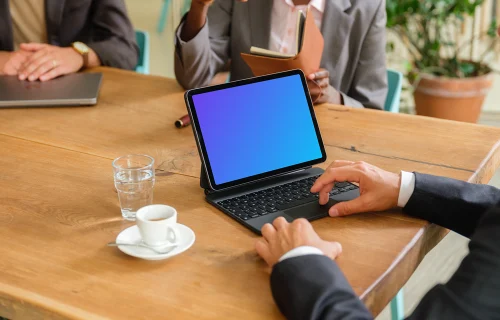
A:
(450, 203)
(369, 85)
(313, 287)
(473, 292)
(113, 37)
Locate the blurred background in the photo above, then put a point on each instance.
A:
(146, 15)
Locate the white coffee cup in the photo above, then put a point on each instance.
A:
(157, 225)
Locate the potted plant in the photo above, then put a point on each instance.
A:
(449, 81)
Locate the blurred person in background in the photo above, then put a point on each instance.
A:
(44, 39)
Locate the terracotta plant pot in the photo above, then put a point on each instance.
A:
(450, 98)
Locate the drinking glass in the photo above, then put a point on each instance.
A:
(134, 180)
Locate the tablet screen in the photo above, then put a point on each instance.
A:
(257, 128)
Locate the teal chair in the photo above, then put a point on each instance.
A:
(142, 38)
(163, 15)
(395, 85)
(162, 21)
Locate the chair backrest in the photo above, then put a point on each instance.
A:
(395, 85)
(142, 38)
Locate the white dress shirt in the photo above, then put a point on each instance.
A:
(284, 23)
(405, 191)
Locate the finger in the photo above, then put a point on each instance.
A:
(314, 88)
(324, 194)
(42, 69)
(268, 231)
(331, 175)
(348, 207)
(340, 163)
(33, 63)
(314, 92)
(32, 46)
(321, 73)
(301, 226)
(12, 66)
(334, 250)
(324, 83)
(280, 223)
(36, 56)
(262, 248)
(54, 73)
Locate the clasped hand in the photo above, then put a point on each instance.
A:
(37, 61)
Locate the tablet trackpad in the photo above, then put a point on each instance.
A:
(312, 210)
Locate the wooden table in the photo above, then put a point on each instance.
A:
(58, 208)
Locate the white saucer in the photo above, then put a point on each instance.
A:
(132, 235)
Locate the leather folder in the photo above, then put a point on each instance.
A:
(308, 59)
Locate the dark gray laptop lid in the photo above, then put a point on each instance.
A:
(69, 90)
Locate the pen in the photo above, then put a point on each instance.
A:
(183, 121)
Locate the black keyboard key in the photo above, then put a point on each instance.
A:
(254, 215)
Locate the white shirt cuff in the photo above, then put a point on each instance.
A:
(300, 251)
(407, 188)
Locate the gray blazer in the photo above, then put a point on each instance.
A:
(354, 52)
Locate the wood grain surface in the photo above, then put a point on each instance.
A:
(58, 208)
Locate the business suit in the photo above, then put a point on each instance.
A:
(313, 287)
(354, 51)
(102, 25)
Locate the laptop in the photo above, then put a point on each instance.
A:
(258, 140)
(77, 89)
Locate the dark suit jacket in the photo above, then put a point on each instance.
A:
(354, 52)
(103, 25)
(313, 287)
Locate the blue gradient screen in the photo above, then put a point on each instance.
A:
(256, 128)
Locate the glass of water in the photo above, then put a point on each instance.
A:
(134, 180)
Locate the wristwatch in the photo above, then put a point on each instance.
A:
(82, 49)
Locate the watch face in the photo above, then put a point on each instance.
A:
(80, 47)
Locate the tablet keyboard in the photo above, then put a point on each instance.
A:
(278, 198)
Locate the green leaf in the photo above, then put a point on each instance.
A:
(467, 68)
(389, 47)
(492, 29)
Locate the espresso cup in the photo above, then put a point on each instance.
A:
(157, 225)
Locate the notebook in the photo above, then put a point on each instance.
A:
(299, 37)
(309, 48)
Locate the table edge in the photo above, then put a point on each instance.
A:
(424, 241)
